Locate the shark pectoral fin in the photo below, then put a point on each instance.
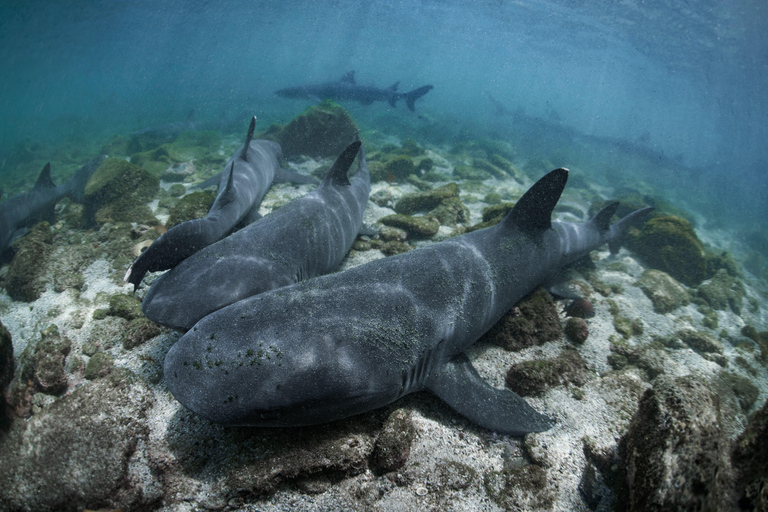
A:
(286, 176)
(459, 385)
(18, 234)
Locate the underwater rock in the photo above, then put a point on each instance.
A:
(746, 392)
(576, 330)
(427, 200)
(321, 131)
(665, 293)
(750, 463)
(670, 244)
(192, 206)
(140, 330)
(25, 280)
(339, 449)
(119, 191)
(700, 341)
(450, 212)
(533, 378)
(49, 359)
(723, 291)
(490, 168)
(99, 365)
(393, 445)
(7, 368)
(580, 308)
(156, 161)
(78, 452)
(468, 173)
(525, 488)
(394, 247)
(399, 168)
(420, 227)
(533, 321)
(125, 306)
(492, 216)
(650, 359)
(389, 233)
(674, 456)
(378, 172)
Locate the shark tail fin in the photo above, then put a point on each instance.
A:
(533, 212)
(248, 138)
(411, 97)
(337, 175)
(44, 180)
(621, 228)
(602, 220)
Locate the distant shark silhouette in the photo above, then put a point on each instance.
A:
(19, 213)
(347, 89)
(168, 132)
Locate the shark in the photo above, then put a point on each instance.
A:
(247, 177)
(168, 132)
(350, 342)
(347, 89)
(305, 238)
(20, 212)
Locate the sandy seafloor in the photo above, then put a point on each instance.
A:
(602, 413)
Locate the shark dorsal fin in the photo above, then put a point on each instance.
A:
(248, 137)
(394, 87)
(349, 77)
(533, 212)
(229, 188)
(337, 175)
(603, 218)
(44, 180)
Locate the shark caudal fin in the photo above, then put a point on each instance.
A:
(411, 97)
(337, 175)
(248, 138)
(533, 212)
(621, 228)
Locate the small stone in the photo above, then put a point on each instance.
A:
(389, 234)
(700, 341)
(99, 365)
(422, 227)
(394, 442)
(532, 378)
(577, 330)
(427, 200)
(665, 293)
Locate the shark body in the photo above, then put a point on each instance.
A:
(20, 212)
(305, 238)
(347, 89)
(346, 343)
(246, 179)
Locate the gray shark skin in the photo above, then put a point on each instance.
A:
(249, 174)
(305, 238)
(24, 210)
(347, 89)
(346, 343)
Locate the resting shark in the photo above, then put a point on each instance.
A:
(347, 89)
(346, 343)
(247, 177)
(19, 213)
(303, 239)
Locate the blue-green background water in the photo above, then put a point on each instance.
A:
(679, 82)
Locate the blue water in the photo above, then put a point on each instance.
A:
(683, 79)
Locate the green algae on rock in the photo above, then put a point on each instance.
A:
(665, 292)
(533, 378)
(670, 244)
(321, 131)
(750, 462)
(723, 291)
(101, 424)
(192, 206)
(577, 330)
(533, 321)
(119, 191)
(427, 200)
(420, 227)
(25, 280)
(99, 365)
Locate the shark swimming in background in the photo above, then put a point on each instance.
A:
(162, 133)
(347, 89)
(246, 178)
(19, 213)
(305, 238)
(346, 343)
